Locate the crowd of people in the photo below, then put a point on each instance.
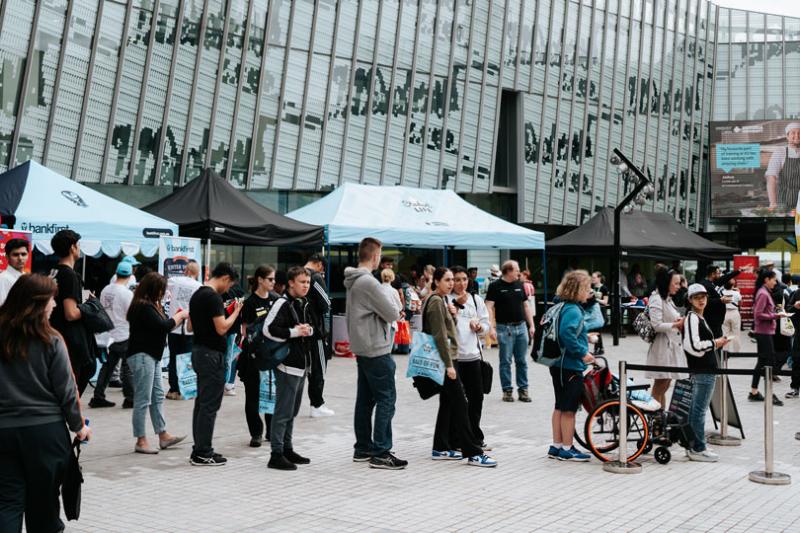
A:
(48, 349)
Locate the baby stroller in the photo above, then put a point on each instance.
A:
(648, 424)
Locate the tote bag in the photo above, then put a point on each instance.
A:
(424, 360)
(187, 379)
(266, 393)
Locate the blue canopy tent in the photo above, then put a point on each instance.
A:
(36, 199)
(405, 216)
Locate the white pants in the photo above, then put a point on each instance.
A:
(732, 326)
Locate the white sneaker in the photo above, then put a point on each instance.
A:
(230, 392)
(706, 456)
(321, 411)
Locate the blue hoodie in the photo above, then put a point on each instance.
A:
(572, 337)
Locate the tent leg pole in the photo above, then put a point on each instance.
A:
(242, 276)
(208, 260)
(327, 265)
(544, 281)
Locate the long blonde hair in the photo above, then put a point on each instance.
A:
(569, 290)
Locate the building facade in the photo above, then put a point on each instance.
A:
(520, 99)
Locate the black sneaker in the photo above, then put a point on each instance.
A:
(215, 460)
(387, 461)
(757, 397)
(100, 402)
(255, 442)
(295, 457)
(776, 401)
(793, 394)
(127, 404)
(115, 384)
(279, 462)
(361, 457)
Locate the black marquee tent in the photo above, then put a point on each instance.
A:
(210, 208)
(644, 234)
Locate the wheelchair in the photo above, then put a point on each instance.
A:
(649, 429)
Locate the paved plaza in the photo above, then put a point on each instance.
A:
(127, 492)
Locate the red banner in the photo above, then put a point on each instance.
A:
(7, 235)
(746, 282)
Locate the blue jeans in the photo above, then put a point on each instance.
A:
(702, 390)
(513, 341)
(147, 393)
(376, 392)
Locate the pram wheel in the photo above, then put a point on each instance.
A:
(663, 455)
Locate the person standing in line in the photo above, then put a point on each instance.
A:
(179, 341)
(566, 371)
(66, 317)
(513, 318)
(37, 399)
(370, 312)
(289, 320)
(452, 421)
(254, 312)
(387, 279)
(667, 346)
(733, 318)
(232, 339)
(116, 298)
(149, 327)
(601, 293)
(320, 308)
(716, 308)
(700, 346)
(765, 318)
(471, 322)
(474, 287)
(207, 314)
(17, 253)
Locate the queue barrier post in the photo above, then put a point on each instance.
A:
(622, 465)
(722, 438)
(768, 476)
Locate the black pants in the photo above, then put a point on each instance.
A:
(83, 372)
(116, 352)
(454, 420)
(32, 463)
(316, 378)
(252, 389)
(766, 357)
(469, 372)
(210, 368)
(288, 396)
(177, 344)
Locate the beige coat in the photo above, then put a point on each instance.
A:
(667, 348)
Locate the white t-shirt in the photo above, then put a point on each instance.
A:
(7, 280)
(777, 160)
(116, 299)
(737, 298)
(468, 349)
(181, 289)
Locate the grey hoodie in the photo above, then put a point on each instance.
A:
(370, 311)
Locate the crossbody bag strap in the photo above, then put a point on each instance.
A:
(480, 348)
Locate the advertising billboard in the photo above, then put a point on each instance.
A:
(754, 168)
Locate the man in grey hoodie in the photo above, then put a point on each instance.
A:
(370, 311)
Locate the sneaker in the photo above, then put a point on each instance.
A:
(127, 404)
(572, 455)
(361, 457)
(387, 461)
(508, 396)
(255, 442)
(164, 444)
(792, 394)
(321, 411)
(757, 397)
(100, 402)
(706, 456)
(230, 392)
(776, 401)
(115, 384)
(485, 447)
(776, 379)
(295, 457)
(279, 462)
(523, 396)
(552, 452)
(482, 460)
(214, 460)
(449, 455)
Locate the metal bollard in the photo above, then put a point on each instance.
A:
(768, 476)
(722, 438)
(621, 465)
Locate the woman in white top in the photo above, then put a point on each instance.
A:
(667, 347)
(387, 277)
(733, 319)
(471, 322)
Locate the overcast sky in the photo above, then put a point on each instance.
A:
(776, 7)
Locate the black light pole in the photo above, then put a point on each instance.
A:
(616, 302)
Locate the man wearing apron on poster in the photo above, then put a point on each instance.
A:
(783, 172)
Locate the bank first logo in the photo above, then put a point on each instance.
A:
(75, 198)
(417, 205)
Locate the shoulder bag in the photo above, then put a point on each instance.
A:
(71, 486)
(487, 372)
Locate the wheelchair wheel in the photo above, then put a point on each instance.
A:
(648, 446)
(663, 455)
(580, 423)
(602, 431)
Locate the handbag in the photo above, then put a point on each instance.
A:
(94, 317)
(786, 327)
(487, 372)
(71, 485)
(643, 327)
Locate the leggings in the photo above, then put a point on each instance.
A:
(766, 356)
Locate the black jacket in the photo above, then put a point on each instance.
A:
(318, 302)
(279, 323)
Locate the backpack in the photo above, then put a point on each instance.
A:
(545, 341)
(643, 327)
(263, 352)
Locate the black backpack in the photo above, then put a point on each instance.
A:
(545, 339)
(263, 352)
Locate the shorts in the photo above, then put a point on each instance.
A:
(568, 388)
